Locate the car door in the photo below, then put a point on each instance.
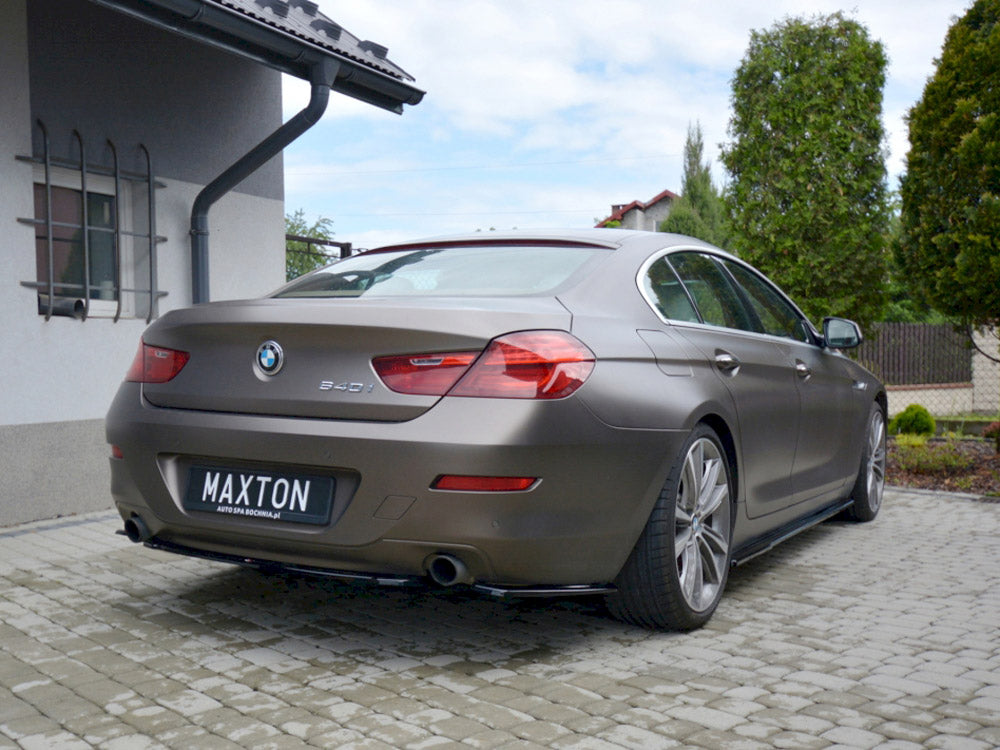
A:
(759, 376)
(825, 459)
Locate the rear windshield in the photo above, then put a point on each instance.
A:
(491, 271)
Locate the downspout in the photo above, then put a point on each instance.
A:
(322, 78)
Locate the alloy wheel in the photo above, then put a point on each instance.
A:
(701, 525)
(876, 459)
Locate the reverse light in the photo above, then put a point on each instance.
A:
(156, 364)
(423, 374)
(464, 483)
(527, 364)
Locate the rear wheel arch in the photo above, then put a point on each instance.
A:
(883, 401)
(677, 570)
(721, 428)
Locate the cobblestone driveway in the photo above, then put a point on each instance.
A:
(877, 635)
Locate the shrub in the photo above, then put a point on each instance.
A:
(909, 440)
(943, 459)
(913, 420)
(992, 430)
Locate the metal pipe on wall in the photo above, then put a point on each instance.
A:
(324, 73)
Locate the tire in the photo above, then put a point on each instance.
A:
(870, 484)
(677, 571)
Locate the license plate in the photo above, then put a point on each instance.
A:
(246, 493)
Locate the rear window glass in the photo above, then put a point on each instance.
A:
(450, 271)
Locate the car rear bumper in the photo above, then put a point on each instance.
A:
(576, 526)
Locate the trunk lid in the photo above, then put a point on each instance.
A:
(327, 347)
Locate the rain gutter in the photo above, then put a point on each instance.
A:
(323, 75)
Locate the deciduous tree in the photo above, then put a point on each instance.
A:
(301, 257)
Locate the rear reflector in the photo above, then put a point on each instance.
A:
(461, 483)
(527, 364)
(156, 364)
(116, 452)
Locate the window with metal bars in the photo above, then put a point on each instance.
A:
(95, 235)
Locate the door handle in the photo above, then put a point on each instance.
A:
(802, 369)
(727, 362)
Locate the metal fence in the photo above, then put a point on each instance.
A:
(917, 354)
(934, 366)
(315, 253)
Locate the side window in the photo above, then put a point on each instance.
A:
(777, 317)
(663, 290)
(712, 292)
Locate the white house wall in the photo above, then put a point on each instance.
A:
(68, 370)
(58, 377)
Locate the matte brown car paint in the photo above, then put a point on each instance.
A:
(602, 454)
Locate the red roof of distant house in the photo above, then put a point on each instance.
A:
(617, 212)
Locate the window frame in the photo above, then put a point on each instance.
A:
(719, 259)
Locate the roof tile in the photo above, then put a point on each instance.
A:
(303, 19)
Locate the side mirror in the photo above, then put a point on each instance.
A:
(839, 333)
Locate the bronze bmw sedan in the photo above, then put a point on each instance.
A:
(596, 411)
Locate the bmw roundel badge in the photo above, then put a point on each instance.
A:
(270, 357)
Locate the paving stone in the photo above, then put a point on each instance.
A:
(27, 726)
(798, 740)
(848, 635)
(487, 740)
(458, 727)
(153, 719)
(636, 738)
(542, 732)
(956, 742)
(898, 730)
(853, 737)
(54, 740)
(756, 731)
(337, 738)
(706, 717)
(588, 725)
(709, 738)
(388, 730)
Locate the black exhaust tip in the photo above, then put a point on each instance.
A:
(136, 530)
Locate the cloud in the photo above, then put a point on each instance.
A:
(562, 83)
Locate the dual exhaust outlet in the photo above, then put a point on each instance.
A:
(444, 570)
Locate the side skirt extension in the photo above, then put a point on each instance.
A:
(763, 544)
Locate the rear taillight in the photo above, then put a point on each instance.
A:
(528, 364)
(423, 374)
(156, 364)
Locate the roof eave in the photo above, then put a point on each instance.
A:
(242, 35)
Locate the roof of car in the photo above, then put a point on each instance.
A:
(608, 238)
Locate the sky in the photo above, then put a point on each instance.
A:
(544, 113)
